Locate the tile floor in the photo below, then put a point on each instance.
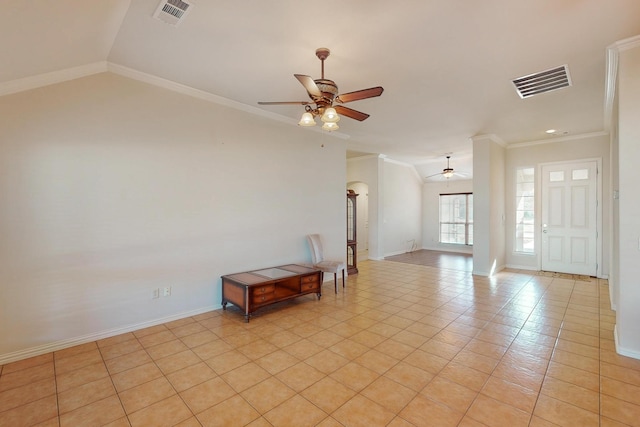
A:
(402, 345)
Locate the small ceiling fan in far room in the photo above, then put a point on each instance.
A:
(448, 172)
(325, 100)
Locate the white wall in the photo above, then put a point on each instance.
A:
(595, 146)
(628, 314)
(111, 188)
(488, 206)
(402, 208)
(431, 213)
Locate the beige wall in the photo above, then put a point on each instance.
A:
(111, 188)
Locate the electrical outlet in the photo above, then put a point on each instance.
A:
(166, 291)
(156, 293)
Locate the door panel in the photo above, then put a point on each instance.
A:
(569, 226)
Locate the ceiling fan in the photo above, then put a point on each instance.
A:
(447, 172)
(325, 100)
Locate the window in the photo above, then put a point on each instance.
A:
(525, 229)
(456, 218)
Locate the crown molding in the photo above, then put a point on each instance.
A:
(209, 97)
(46, 79)
(491, 137)
(556, 140)
(611, 77)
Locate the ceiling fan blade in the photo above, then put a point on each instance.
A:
(309, 84)
(360, 94)
(431, 176)
(284, 103)
(351, 113)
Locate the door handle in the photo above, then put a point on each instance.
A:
(544, 231)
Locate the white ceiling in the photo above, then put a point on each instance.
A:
(446, 66)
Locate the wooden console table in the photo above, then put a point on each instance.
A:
(254, 289)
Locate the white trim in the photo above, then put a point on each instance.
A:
(611, 79)
(622, 350)
(209, 97)
(40, 80)
(59, 345)
(491, 137)
(522, 267)
(560, 139)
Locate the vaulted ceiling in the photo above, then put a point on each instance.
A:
(446, 66)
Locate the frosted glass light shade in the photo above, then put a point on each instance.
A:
(307, 120)
(330, 126)
(330, 116)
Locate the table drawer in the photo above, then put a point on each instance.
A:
(309, 283)
(260, 298)
(266, 289)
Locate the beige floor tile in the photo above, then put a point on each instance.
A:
(497, 414)
(227, 361)
(296, 411)
(77, 361)
(362, 412)
(438, 414)
(409, 376)
(376, 361)
(25, 376)
(464, 375)
(198, 339)
(27, 363)
(165, 349)
(300, 376)
(453, 395)
(328, 394)
(326, 361)
(135, 376)
(97, 413)
(268, 394)
(277, 361)
(571, 393)
(32, 413)
(426, 361)
(191, 376)
(168, 412)
(349, 349)
(564, 414)
(120, 349)
(146, 394)
(233, 411)
(246, 376)
(27, 393)
(510, 393)
(621, 390)
(207, 394)
(303, 349)
(620, 411)
(127, 361)
(85, 394)
(354, 376)
(388, 393)
(177, 361)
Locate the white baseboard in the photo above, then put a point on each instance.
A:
(71, 342)
(621, 350)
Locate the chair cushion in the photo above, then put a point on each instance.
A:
(330, 266)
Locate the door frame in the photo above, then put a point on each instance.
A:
(539, 200)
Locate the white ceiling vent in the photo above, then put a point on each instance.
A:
(544, 81)
(172, 11)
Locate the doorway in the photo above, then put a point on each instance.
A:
(569, 217)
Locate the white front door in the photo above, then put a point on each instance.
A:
(569, 228)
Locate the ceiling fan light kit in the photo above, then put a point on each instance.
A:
(325, 100)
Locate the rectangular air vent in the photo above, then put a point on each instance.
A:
(544, 81)
(172, 11)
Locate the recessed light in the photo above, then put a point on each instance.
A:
(550, 131)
